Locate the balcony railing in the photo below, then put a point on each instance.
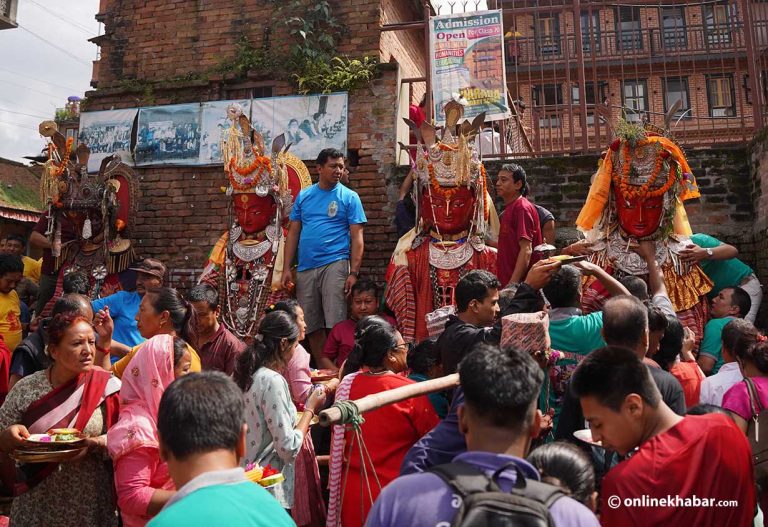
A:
(557, 129)
(655, 44)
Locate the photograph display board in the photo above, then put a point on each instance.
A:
(107, 132)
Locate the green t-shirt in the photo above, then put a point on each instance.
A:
(577, 336)
(712, 343)
(243, 504)
(724, 273)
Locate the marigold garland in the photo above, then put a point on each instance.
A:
(446, 192)
(261, 163)
(642, 192)
(58, 169)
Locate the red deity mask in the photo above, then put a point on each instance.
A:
(451, 211)
(639, 217)
(254, 213)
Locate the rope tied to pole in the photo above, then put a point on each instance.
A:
(350, 414)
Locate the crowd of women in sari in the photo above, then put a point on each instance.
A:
(122, 474)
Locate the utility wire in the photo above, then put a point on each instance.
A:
(19, 125)
(72, 56)
(26, 114)
(59, 96)
(58, 14)
(39, 80)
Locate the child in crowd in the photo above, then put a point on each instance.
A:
(11, 269)
(341, 340)
(567, 466)
(425, 363)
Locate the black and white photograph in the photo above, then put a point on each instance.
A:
(168, 135)
(106, 133)
(310, 123)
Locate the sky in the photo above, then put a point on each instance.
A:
(48, 58)
(45, 60)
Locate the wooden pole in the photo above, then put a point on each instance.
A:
(374, 401)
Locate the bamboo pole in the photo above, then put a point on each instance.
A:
(374, 401)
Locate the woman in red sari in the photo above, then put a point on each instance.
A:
(73, 392)
(388, 433)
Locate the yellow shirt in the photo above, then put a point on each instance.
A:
(10, 322)
(32, 268)
(119, 367)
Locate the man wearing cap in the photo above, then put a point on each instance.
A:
(124, 305)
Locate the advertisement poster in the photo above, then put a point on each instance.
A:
(215, 126)
(106, 133)
(310, 122)
(169, 135)
(467, 58)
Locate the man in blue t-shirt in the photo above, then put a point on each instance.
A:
(124, 305)
(327, 228)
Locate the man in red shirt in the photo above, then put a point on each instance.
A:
(520, 231)
(692, 470)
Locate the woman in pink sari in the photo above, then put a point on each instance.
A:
(141, 477)
(73, 392)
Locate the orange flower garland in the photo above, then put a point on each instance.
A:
(642, 192)
(446, 192)
(59, 168)
(261, 164)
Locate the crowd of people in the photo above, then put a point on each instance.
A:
(621, 420)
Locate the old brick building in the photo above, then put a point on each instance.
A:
(578, 65)
(160, 52)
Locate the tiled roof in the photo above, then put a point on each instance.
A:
(20, 188)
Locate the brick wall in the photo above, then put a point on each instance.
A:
(182, 211)
(724, 210)
(759, 193)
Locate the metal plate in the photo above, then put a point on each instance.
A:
(26, 456)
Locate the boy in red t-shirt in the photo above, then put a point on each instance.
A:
(364, 302)
(681, 469)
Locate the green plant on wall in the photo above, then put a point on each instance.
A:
(248, 58)
(341, 74)
(313, 64)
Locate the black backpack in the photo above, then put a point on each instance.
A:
(484, 504)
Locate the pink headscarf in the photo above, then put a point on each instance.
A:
(146, 377)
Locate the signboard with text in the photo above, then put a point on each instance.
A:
(467, 60)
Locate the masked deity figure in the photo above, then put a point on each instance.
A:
(90, 216)
(637, 195)
(246, 263)
(455, 217)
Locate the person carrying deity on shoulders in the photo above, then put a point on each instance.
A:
(637, 194)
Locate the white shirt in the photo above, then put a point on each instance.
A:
(488, 142)
(713, 388)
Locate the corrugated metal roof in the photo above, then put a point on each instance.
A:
(20, 186)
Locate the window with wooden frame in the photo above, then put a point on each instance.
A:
(629, 35)
(634, 99)
(717, 22)
(547, 95)
(673, 23)
(548, 34)
(676, 88)
(721, 96)
(590, 31)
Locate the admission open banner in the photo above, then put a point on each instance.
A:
(467, 59)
